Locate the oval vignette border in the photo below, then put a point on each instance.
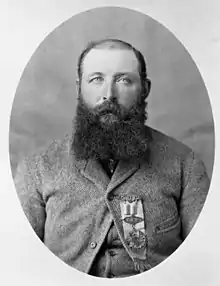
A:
(105, 10)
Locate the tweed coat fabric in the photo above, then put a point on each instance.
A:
(72, 203)
(113, 260)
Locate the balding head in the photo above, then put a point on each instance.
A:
(113, 44)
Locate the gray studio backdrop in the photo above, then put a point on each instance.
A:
(45, 100)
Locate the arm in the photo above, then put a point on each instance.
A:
(26, 184)
(195, 188)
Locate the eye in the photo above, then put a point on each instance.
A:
(97, 79)
(124, 80)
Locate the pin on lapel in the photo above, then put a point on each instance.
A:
(111, 165)
(133, 221)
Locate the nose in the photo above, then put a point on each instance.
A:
(110, 91)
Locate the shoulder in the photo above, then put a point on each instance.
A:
(50, 159)
(56, 154)
(171, 154)
(167, 145)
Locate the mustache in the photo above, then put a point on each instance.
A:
(93, 114)
(108, 106)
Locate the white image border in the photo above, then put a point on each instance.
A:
(24, 25)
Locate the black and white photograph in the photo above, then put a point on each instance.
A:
(112, 142)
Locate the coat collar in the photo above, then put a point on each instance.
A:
(93, 171)
(122, 172)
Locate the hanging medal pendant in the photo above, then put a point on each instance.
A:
(133, 222)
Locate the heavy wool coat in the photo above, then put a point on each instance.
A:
(72, 203)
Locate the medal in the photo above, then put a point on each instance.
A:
(133, 222)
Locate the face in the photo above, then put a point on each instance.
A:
(110, 74)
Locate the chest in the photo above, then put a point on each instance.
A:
(79, 199)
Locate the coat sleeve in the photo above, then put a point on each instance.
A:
(194, 192)
(27, 187)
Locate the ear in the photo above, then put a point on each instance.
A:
(77, 86)
(147, 84)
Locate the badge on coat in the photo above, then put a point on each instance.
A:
(133, 221)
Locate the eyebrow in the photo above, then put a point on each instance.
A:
(116, 75)
(95, 73)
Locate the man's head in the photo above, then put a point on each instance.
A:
(112, 86)
(112, 70)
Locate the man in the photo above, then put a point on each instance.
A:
(118, 197)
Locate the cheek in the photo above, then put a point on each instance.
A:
(128, 97)
(90, 95)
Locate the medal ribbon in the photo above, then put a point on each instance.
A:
(134, 225)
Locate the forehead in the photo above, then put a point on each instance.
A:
(110, 61)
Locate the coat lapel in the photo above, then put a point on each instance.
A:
(122, 172)
(95, 173)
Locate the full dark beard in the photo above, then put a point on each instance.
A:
(109, 130)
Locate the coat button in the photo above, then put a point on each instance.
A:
(111, 252)
(93, 244)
